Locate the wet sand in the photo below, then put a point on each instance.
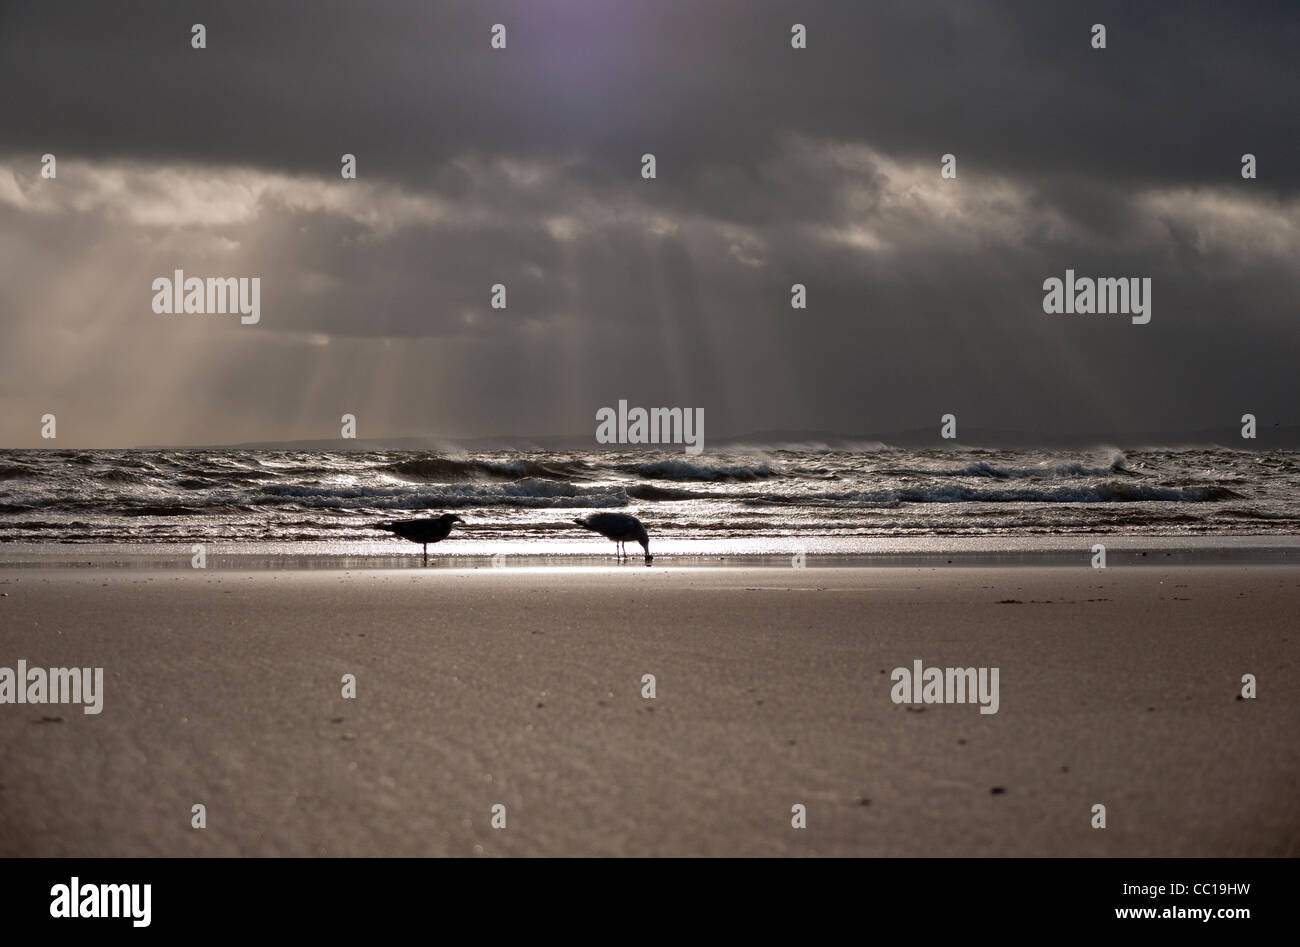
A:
(524, 688)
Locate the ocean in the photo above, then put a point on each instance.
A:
(772, 501)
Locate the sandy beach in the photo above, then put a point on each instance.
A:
(523, 687)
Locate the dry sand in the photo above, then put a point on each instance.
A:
(478, 687)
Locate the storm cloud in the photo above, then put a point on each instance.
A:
(522, 166)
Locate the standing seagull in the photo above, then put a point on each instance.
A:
(619, 527)
(423, 531)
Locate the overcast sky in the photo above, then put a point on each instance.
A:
(522, 166)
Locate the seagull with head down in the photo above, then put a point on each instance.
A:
(620, 527)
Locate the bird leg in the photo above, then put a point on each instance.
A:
(426, 554)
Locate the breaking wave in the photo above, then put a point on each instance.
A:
(1048, 470)
(718, 473)
(1120, 492)
(531, 492)
(453, 470)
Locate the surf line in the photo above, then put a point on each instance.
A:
(53, 686)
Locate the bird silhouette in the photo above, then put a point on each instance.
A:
(620, 527)
(423, 531)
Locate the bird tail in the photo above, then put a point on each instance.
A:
(582, 523)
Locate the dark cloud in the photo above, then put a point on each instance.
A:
(522, 167)
(1180, 92)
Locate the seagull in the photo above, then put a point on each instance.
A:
(423, 531)
(619, 527)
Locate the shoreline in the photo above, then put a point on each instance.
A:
(764, 552)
